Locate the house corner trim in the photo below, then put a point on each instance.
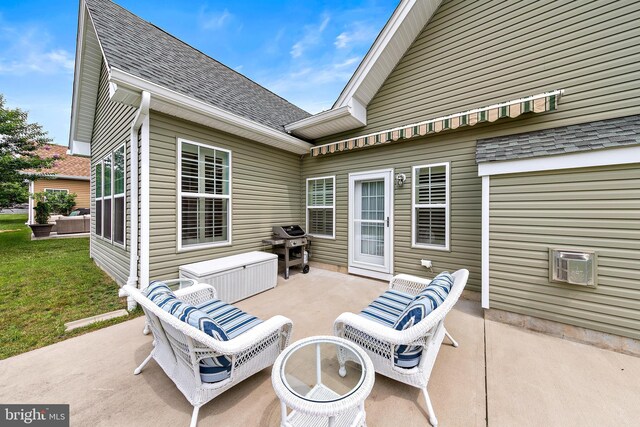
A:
(486, 185)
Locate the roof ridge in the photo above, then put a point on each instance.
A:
(202, 53)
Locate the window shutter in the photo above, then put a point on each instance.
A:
(320, 206)
(205, 186)
(430, 205)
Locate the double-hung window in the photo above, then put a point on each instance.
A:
(430, 216)
(110, 181)
(204, 180)
(321, 206)
(119, 200)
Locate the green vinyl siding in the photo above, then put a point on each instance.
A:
(465, 199)
(266, 191)
(476, 53)
(593, 209)
(110, 130)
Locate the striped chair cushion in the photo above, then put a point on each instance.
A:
(232, 320)
(423, 304)
(156, 289)
(387, 307)
(212, 369)
(438, 289)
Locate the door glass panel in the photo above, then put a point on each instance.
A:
(369, 221)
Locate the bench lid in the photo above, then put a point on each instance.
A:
(218, 265)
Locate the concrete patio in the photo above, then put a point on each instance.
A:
(499, 376)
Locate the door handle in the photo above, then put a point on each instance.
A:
(387, 221)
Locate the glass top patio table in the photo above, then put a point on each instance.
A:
(310, 370)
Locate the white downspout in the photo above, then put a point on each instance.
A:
(141, 116)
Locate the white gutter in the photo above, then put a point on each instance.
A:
(140, 118)
(173, 103)
(351, 116)
(320, 118)
(69, 177)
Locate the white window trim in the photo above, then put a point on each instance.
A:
(104, 198)
(112, 197)
(200, 246)
(56, 189)
(333, 207)
(99, 199)
(446, 205)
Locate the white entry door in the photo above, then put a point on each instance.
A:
(371, 224)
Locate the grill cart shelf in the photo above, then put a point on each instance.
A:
(290, 244)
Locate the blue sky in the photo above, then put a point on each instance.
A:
(304, 51)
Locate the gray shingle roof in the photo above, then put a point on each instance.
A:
(144, 50)
(566, 139)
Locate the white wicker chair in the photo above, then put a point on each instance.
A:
(178, 347)
(380, 342)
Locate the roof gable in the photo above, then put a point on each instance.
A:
(349, 110)
(141, 49)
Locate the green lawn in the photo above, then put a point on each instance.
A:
(44, 284)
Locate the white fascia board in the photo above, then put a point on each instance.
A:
(76, 74)
(329, 122)
(80, 148)
(318, 119)
(406, 9)
(380, 60)
(159, 94)
(71, 177)
(583, 159)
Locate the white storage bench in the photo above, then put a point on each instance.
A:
(236, 277)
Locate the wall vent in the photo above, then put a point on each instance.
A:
(573, 266)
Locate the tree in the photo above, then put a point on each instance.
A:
(13, 193)
(19, 141)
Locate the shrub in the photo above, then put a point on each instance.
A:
(42, 208)
(61, 203)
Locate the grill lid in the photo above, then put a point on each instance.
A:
(288, 231)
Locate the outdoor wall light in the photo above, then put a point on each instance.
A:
(400, 179)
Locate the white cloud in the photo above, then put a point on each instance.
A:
(312, 36)
(309, 86)
(362, 33)
(27, 50)
(214, 20)
(297, 49)
(342, 40)
(347, 62)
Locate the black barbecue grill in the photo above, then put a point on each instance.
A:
(290, 242)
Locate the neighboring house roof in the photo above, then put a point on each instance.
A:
(139, 48)
(65, 166)
(561, 140)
